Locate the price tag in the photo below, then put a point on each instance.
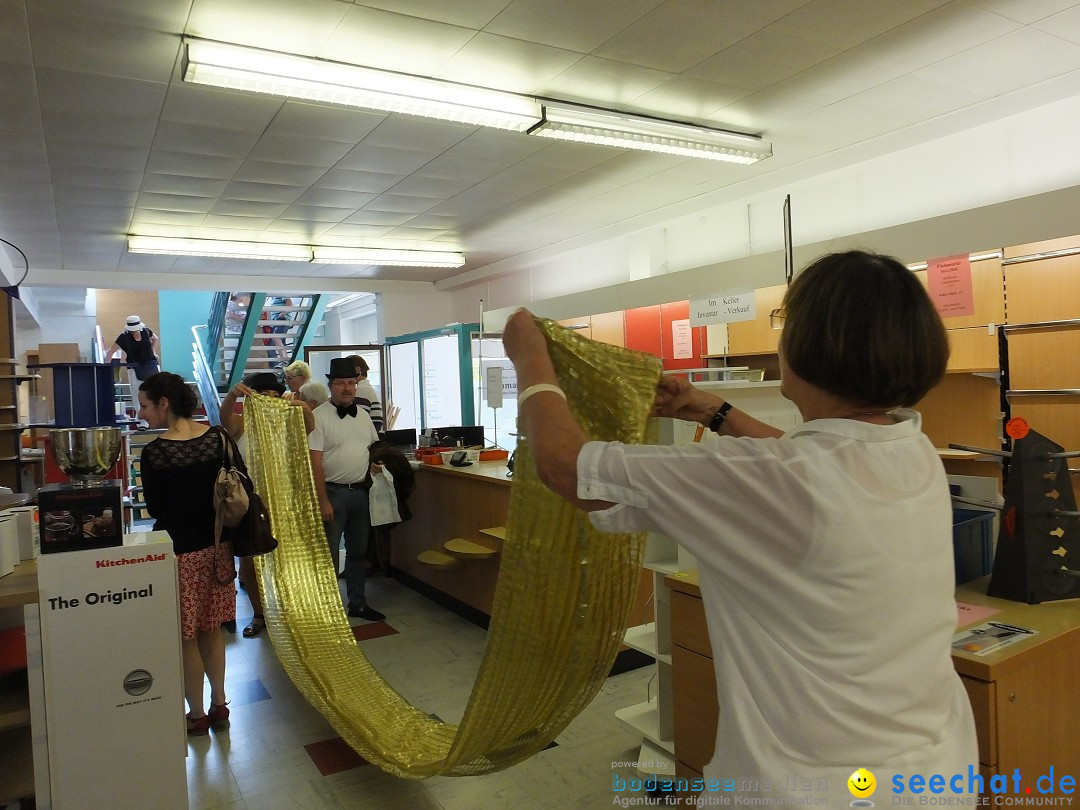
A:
(1017, 427)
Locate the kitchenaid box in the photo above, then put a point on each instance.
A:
(80, 518)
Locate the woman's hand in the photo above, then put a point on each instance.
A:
(678, 398)
(240, 390)
(377, 468)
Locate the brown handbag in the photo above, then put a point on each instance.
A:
(249, 530)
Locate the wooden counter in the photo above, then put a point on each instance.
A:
(454, 502)
(1024, 697)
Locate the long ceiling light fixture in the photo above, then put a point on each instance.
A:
(385, 257)
(575, 122)
(388, 257)
(238, 67)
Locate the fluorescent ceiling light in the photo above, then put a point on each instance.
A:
(387, 257)
(170, 246)
(234, 66)
(573, 122)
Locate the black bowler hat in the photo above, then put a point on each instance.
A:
(341, 368)
(265, 381)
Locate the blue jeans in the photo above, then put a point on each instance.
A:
(351, 518)
(144, 370)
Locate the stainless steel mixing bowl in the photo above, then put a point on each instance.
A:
(86, 454)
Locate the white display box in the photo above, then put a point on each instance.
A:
(114, 698)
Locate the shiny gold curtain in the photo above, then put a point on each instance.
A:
(561, 604)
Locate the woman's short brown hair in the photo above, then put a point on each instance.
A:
(860, 326)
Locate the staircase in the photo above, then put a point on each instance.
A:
(259, 332)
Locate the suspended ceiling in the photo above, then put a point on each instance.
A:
(100, 138)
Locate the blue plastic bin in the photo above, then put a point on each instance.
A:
(973, 542)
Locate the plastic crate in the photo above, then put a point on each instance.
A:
(973, 542)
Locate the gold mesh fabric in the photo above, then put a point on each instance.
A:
(561, 603)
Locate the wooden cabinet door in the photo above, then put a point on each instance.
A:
(757, 336)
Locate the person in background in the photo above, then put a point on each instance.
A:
(314, 393)
(236, 311)
(282, 324)
(341, 468)
(139, 343)
(365, 392)
(179, 469)
(269, 385)
(824, 553)
(296, 374)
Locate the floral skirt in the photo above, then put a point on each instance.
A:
(206, 603)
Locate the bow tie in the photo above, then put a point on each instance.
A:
(346, 410)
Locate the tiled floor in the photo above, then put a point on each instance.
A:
(280, 753)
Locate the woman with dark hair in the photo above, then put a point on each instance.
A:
(179, 468)
(824, 553)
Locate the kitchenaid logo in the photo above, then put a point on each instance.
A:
(129, 561)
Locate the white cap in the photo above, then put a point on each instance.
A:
(134, 323)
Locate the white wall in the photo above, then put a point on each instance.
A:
(69, 318)
(1016, 157)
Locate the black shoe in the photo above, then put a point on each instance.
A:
(368, 613)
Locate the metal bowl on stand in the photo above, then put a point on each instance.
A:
(86, 454)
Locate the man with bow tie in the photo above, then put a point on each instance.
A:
(339, 462)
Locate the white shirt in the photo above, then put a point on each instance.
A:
(344, 443)
(826, 569)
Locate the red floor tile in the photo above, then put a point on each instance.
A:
(333, 756)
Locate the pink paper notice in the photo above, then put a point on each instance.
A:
(950, 286)
(967, 613)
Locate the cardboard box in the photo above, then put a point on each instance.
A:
(80, 518)
(26, 517)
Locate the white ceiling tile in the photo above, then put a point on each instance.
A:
(174, 202)
(266, 172)
(762, 111)
(298, 150)
(522, 66)
(845, 23)
(434, 222)
(236, 222)
(760, 13)
(423, 135)
(197, 104)
(83, 195)
(183, 185)
(324, 121)
(761, 60)
(455, 166)
(1025, 11)
(108, 47)
(144, 217)
(907, 100)
(412, 233)
(161, 15)
(474, 14)
(432, 187)
(204, 140)
(603, 82)
(14, 35)
(351, 230)
(97, 128)
(1005, 64)
(504, 148)
(381, 39)
(676, 36)
(248, 208)
(568, 24)
(75, 92)
(315, 213)
(349, 180)
(383, 159)
(106, 156)
(246, 191)
(686, 98)
(372, 217)
(81, 175)
(335, 198)
(1065, 24)
(293, 26)
(398, 203)
(936, 35)
(165, 161)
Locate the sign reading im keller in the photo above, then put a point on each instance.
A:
(729, 307)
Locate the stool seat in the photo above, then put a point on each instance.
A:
(498, 532)
(436, 559)
(467, 548)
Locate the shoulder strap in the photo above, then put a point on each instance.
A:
(227, 453)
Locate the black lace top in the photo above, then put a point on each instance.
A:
(178, 486)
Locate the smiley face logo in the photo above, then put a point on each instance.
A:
(862, 784)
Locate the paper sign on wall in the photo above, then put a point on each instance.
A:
(949, 280)
(682, 340)
(493, 386)
(726, 308)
